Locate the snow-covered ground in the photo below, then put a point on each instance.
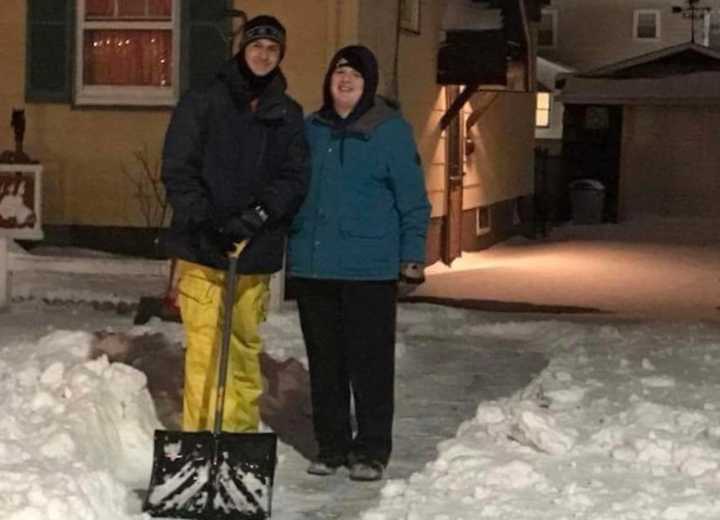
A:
(622, 424)
(648, 268)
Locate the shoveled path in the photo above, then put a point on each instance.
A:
(440, 379)
(439, 382)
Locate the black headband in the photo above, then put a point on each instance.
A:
(265, 31)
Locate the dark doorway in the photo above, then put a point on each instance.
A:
(592, 136)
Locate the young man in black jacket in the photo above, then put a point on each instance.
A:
(235, 168)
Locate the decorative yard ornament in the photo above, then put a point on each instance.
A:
(693, 12)
(17, 121)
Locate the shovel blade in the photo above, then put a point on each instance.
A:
(199, 475)
(180, 485)
(243, 476)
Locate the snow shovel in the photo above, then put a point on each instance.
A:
(214, 475)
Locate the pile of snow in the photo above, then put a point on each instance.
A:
(623, 424)
(75, 435)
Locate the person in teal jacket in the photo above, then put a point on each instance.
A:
(360, 232)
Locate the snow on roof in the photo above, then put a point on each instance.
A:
(603, 84)
(652, 56)
(548, 70)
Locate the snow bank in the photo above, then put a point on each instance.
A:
(622, 425)
(75, 435)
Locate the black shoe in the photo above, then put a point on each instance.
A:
(368, 471)
(326, 466)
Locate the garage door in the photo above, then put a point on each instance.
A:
(670, 161)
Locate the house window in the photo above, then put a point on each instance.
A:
(547, 30)
(483, 225)
(542, 110)
(646, 24)
(127, 52)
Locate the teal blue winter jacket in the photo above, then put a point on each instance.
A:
(367, 209)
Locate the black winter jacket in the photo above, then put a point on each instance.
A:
(220, 157)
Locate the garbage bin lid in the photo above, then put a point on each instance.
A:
(587, 184)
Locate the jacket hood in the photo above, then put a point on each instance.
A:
(382, 110)
(363, 60)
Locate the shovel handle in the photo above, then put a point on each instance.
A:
(239, 246)
(229, 300)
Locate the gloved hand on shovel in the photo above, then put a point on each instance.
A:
(242, 226)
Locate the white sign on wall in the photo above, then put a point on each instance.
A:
(20, 213)
(20, 201)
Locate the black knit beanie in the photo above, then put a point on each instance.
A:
(267, 27)
(362, 60)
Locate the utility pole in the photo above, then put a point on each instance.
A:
(693, 12)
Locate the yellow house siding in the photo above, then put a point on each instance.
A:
(500, 168)
(12, 57)
(423, 100)
(85, 150)
(434, 145)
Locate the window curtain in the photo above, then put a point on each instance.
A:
(127, 58)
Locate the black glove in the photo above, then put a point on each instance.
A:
(244, 225)
(411, 276)
(208, 243)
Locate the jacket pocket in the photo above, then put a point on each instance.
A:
(368, 249)
(196, 288)
(363, 228)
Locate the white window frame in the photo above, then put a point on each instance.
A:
(554, 17)
(549, 109)
(127, 95)
(636, 19)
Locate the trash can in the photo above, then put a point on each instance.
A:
(587, 198)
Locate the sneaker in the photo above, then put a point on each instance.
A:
(366, 471)
(321, 469)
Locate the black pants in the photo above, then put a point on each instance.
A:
(349, 331)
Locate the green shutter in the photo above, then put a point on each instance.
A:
(204, 48)
(49, 48)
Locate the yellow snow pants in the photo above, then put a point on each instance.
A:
(200, 297)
